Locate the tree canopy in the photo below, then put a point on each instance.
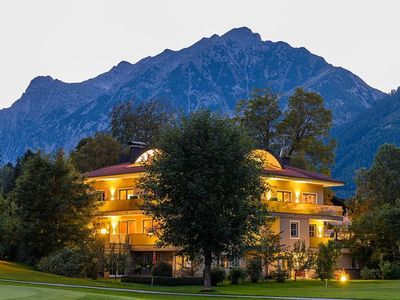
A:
(259, 115)
(142, 122)
(204, 188)
(300, 133)
(51, 207)
(96, 152)
(304, 131)
(375, 209)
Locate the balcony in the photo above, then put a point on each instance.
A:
(121, 205)
(315, 241)
(141, 239)
(305, 208)
(136, 239)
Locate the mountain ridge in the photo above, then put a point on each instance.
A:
(212, 73)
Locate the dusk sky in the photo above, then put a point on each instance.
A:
(76, 40)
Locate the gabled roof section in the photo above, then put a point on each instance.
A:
(121, 169)
(273, 167)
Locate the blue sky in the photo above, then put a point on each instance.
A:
(74, 40)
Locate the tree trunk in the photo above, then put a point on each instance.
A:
(207, 271)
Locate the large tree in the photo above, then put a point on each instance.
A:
(99, 151)
(142, 122)
(204, 188)
(259, 115)
(53, 204)
(375, 209)
(304, 131)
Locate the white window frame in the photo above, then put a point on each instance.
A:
(298, 229)
(309, 193)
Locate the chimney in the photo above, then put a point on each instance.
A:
(135, 150)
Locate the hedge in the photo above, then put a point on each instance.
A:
(158, 280)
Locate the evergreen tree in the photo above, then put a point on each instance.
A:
(53, 204)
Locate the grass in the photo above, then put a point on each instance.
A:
(355, 289)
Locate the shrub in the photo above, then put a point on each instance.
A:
(390, 270)
(254, 269)
(367, 273)
(217, 275)
(236, 274)
(169, 281)
(280, 275)
(162, 269)
(67, 262)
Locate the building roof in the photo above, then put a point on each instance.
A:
(292, 172)
(125, 168)
(285, 172)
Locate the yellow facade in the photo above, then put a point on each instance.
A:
(297, 204)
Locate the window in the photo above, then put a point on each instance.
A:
(284, 196)
(294, 229)
(147, 226)
(123, 227)
(125, 194)
(310, 198)
(131, 227)
(312, 230)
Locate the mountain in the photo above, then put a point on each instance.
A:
(213, 73)
(359, 140)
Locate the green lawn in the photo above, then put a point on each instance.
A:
(356, 289)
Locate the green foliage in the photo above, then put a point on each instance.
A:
(304, 131)
(142, 122)
(300, 258)
(67, 262)
(162, 269)
(236, 274)
(217, 276)
(168, 281)
(390, 270)
(280, 275)
(118, 261)
(327, 257)
(259, 115)
(204, 189)
(268, 246)
(96, 152)
(254, 268)
(368, 273)
(375, 209)
(53, 206)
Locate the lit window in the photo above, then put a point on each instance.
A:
(309, 198)
(147, 226)
(284, 196)
(294, 229)
(312, 230)
(131, 226)
(127, 194)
